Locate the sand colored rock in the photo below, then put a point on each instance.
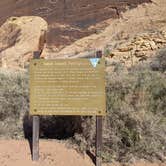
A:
(19, 37)
(68, 19)
(135, 37)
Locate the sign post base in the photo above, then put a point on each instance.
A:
(35, 143)
(98, 140)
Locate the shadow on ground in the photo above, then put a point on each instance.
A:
(53, 127)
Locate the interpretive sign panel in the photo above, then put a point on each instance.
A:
(67, 87)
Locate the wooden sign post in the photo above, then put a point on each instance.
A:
(35, 141)
(36, 127)
(98, 140)
(98, 130)
(67, 87)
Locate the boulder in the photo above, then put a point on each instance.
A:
(19, 38)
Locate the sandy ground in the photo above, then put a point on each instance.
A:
(52, 153)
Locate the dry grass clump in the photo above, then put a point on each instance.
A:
(14, 102)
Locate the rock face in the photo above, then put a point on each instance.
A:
(131, 40)
(79, 12)
(19, 37)
(76, 15)
(139, 48)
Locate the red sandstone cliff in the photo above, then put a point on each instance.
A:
(77, 14)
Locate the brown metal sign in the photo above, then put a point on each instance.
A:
(67, 87)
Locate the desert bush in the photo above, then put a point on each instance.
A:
(13, 102)
(159, 61)
(136, 115)
(135, 125)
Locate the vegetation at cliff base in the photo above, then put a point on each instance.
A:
(135, 125)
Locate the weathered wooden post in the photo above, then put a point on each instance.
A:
(35, 143)
(36, 119)
(98, 129)
(36, 124)
(98, 140)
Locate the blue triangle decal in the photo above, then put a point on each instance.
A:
(94, 61)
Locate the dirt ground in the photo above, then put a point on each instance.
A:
(52, 153)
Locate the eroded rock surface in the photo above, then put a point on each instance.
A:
(68, 19)
(19, 37)
(132, 39)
